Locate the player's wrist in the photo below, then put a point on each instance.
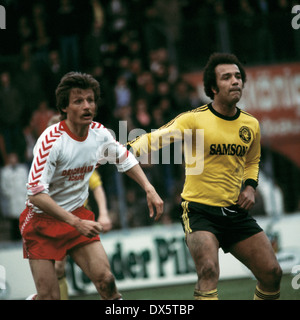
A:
(251, 182)
(103, 214)
(250, 187)
(149, 188)
(74, 222)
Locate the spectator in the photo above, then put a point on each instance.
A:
(117, 16)
(40, 118)
(146, 87)
(30, 141)
(142, 116)
(243, 24)
(283, 33)
(181, 96)
(169, 12)
(222, 27)
(52, 74)
(94, 44)
(123, 94)
(67, 31)
(264, 35)
(41, 38)
(13, 190)
(25, 32)
(11, 122)
(29, 83)
(98, 13)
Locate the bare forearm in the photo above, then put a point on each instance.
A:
(48, 205)
(100, 198)
(153, 199)
(86, 227)
(137, 174)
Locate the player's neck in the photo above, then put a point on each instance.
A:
(78, 130)
(225, 109)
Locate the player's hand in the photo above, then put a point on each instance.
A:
(105, 222)
(246, 198)
(154, 201)
(88, 228)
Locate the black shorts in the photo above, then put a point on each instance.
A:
(229, 224)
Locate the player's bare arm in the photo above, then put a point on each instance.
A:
(103, 218)
(48, 205)
(153, 199)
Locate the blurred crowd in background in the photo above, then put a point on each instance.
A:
(138, 50)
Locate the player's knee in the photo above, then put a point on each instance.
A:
(276, 274)
(48, 293)
(47, 288)
(106, 285)
(59, 270)
(272, 276)
(209, 271)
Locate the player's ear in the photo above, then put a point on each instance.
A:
(214, 90)
(64, 110)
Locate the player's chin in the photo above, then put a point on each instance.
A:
(236, 94)
(236, 98)
(87, 120)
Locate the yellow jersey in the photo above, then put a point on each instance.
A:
(221, 153)
(94, 182)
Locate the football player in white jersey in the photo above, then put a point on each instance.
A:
(55, 222)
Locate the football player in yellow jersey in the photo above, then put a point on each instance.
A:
(220, 184)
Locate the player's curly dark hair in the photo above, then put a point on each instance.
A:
(209, 75)
(74, 80)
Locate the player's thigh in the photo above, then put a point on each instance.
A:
(44, 275)
(256, 253)
(203, 246)
(92, 259)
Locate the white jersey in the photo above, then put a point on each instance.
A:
(63, 163)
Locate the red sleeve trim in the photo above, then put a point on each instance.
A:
(39, 164)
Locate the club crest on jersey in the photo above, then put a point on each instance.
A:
(245, 134)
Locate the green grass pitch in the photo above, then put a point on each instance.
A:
(238, 289)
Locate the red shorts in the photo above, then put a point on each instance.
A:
(45, 237)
